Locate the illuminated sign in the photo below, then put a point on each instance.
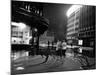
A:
(80, 42)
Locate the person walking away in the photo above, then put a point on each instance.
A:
(64, 47)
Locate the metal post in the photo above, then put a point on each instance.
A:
(37, 42)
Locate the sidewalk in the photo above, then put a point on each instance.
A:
(54, 64)
(26, 58)
(27, 61)
(92, 61)
(34, 65)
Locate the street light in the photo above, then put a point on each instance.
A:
(72, 9)
(35, 29)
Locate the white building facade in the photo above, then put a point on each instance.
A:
(72, 26)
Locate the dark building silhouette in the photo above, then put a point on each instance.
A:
(87, 26)
(81, 25)
(31, 14)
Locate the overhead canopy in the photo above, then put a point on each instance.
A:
(29, 18)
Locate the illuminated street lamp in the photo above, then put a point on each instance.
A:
(72, 9)
(35, 29)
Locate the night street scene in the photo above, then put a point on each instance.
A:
(52, 37)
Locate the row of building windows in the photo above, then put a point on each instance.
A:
(87, 34)
(71, 16)
(72, 32)
(74, 18)
(73, 24)
(17, 33)
(73, 28)
(85, 20)
(70, 26)
(19, 42)
(89, 28)
(71, 19)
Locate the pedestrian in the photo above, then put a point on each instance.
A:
(48, 44)
(47, 56)
(58, 45)
(64, 47)
(59, 49)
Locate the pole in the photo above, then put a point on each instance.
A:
(37, 42)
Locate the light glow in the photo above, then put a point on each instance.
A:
(19, 68)
(35, 30)
(43, 45)
(21, 25)
(72, 9)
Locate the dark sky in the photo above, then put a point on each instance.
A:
(56, 13)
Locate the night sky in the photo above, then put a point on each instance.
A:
(56, 13)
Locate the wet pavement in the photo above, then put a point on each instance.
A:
(34, 64)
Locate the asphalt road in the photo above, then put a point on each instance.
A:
(36, 65)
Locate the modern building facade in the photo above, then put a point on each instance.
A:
(87, 26)
(20, 35)
(81, 26)
(72, 27)
(31, 15)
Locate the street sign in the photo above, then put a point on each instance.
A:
(80, 42)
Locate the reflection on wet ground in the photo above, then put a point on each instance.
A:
(23, 63)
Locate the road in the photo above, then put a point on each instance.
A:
(34, 64)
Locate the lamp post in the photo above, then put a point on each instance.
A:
(35, 40)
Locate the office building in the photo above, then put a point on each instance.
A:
(73, 25)
(81, 26)
(87, 26)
